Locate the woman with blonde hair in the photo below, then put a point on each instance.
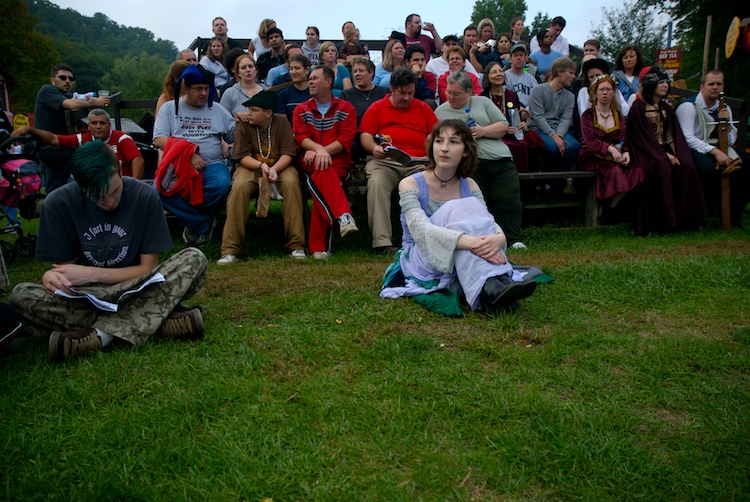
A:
(167, 94)
(328, 56)
(393, 57)
(486, 32)
(259, 45)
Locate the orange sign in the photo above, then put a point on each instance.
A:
(669, 59)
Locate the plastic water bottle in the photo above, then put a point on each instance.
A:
(515, 121)
(469, 121)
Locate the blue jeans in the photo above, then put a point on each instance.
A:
(552, 158)
(54, 167)
(216, 182)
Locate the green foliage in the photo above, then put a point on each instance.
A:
(137, 77)
(501, 12)
(691, 16)
(92, 46)
(26, 54)
(540, 21)
(630, 25)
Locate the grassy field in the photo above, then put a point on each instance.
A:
(627, 378)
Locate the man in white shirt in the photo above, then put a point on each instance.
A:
(556, 26)
(697, 117)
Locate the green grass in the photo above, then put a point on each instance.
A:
(627, 378)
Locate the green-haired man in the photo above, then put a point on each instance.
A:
(103, 235)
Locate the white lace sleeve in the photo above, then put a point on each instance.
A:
(437, 243)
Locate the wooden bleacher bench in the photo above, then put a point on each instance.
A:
(588, 177)
(589, 202)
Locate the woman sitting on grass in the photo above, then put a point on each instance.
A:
(450, 240)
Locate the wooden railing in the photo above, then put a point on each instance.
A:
(373, 45)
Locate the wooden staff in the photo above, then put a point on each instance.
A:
(723, 132)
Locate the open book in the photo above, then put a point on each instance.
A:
(402, 157)
(103, 304)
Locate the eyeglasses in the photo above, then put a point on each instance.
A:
(66, 77)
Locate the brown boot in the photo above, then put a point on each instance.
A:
(184, 324)
(73, 343)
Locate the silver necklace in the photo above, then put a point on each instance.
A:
(443, 183)
(260, 145)
(368, 94)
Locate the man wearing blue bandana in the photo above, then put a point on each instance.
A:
(193, 179)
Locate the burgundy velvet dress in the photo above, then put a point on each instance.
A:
(671, 197)
(518, 147)
(612, 178)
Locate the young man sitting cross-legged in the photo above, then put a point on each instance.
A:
(103, 234)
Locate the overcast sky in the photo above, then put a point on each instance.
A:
(182, 21)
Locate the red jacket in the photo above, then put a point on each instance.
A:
(176, 175)
(339, 124)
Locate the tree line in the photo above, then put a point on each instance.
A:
(37, 34)
(644, 23)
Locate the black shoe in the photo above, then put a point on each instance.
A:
(529, 286)
(498, 309)
(501, 290)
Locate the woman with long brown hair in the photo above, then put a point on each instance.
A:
(671, 197)
(450, 239)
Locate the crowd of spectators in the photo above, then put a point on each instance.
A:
(239, 125)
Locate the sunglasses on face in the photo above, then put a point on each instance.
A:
(65, 77)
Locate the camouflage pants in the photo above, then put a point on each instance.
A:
(137, 318)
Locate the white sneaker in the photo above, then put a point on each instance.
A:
(347, 225)
(298, 254)
(519, 245)
(321, 255)
(227, 259)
